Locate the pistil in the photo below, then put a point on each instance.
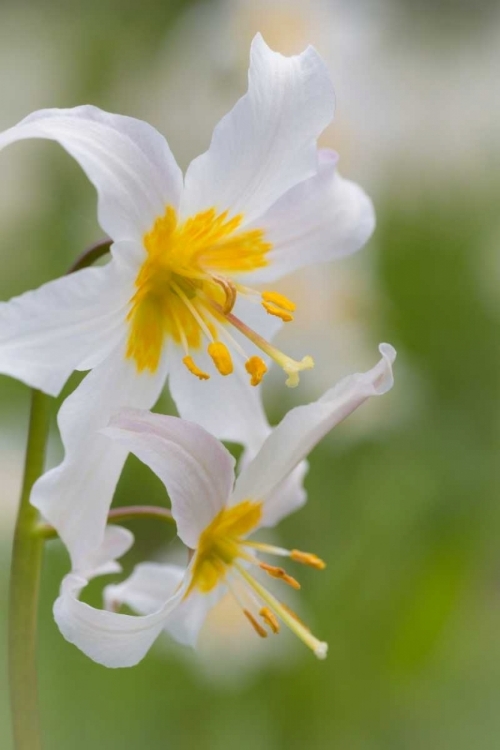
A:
(289, 365)
(319, 648)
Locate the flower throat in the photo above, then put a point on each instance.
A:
(185, 292)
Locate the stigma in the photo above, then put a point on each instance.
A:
(186, 292)
(225, 556)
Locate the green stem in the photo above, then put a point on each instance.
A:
(24, 587)
(91, 255)
(26, 564)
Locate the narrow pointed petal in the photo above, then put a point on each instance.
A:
(109, 638)
(67, 324)
(149, 587)
(267, 143)
(75, 496)
(323, 218)
(198, 472)
(303, 427)
(128, 162)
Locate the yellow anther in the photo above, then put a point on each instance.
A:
(307, 558)
(279, 299)
(221, 357)
(280, 573)
(255, 624)
(194, 369)
(286, 317)
(256, 368)
(270, 619)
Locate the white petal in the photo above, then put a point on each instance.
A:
(149, 587)
(67, 324)
(103, 561)
(227, 407)
(267, 143)
(109, 638)
(303, 427)
(323, 218)
(76, 495)
(287, 497)
(196, 469)
(128, 162)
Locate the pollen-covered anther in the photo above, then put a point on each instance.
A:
(280, 573)
(221, 357)
(307, 558)
(194, 369)
(270, 619)
(285, 316)
(280, 300)
(256, 368)
(255, 624)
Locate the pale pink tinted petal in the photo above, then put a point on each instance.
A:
(149, 586)
(303, 427)
(196, 469)
(109, 638)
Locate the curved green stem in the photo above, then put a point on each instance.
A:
(91, 255)
(24, 587)
(118, 515)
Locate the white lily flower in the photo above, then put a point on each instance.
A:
(179, 290)
(215, 516)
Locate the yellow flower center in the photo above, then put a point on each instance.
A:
(222, 542)
(223, 553)
(185, 291)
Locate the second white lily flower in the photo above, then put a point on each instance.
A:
(216, 518)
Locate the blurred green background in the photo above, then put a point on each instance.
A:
(403, 500)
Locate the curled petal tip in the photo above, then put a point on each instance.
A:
(388, 352)
(385, 378)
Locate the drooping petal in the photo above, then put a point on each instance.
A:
(149, 587)
(76, 495)
(127, 160)
(196, 469)
(71, 323)
(303, 427)
(267, 143)
(109, 638)
(323, 218)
